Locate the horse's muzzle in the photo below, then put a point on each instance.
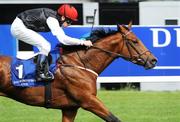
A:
(151, 63)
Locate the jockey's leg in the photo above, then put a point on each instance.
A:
(42, 70)
(21, 32)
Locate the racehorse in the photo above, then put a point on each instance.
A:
(74, 85)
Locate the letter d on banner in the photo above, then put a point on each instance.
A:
(178, 36)
(156, 37)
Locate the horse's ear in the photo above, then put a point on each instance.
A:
(120, 28)
(129, 25)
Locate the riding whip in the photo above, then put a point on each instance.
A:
(93, 20)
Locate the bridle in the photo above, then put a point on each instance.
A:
(133, 58)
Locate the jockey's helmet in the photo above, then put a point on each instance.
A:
(68, 11)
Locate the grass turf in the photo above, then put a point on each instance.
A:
(129, 106)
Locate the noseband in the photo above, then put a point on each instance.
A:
(133, 58)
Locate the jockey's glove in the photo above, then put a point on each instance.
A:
(87, 43)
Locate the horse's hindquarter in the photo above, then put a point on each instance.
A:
(31, 96)
(35, 95)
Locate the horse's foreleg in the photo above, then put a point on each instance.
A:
(81, 87)
(94, 105)
(68, 115)
(88, 101)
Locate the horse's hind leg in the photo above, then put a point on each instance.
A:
(2, 94)
(68, 115)
(94, 105)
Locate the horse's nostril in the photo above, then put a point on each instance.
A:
(153, 61)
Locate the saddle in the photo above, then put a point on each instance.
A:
(23, 71)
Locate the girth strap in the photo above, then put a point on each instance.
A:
(48, 95)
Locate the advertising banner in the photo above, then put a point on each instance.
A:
(162, 41)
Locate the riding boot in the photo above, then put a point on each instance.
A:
(42, 69)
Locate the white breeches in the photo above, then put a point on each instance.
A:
(21, 32)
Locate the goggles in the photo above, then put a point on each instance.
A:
(69, 21)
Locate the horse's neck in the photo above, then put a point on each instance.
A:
(94, 59)
(98, 60)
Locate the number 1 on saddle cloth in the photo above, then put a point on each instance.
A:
(23, 71)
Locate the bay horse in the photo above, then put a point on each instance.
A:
(74, 85)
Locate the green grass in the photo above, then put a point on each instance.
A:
(130, 106)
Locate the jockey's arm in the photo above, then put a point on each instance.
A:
(57, 31)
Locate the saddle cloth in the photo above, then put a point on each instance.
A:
(23, 71)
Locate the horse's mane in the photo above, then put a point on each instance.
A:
(94, 36)
(100, 33)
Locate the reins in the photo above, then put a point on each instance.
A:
(110, 52)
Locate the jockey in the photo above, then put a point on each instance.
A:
(27, 24)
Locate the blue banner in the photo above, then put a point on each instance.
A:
(7, 42)
(162, 41)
